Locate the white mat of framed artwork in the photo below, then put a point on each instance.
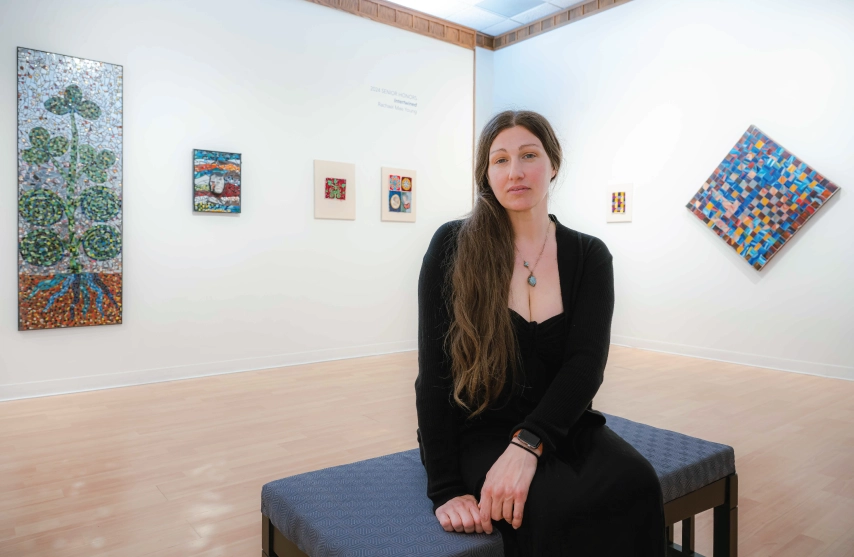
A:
(398, 188)
(334, 190)
(620, 202)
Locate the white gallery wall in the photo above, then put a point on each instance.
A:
(483, 85)
(283, 82)
(655, 93)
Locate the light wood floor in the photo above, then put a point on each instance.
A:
(176, 469)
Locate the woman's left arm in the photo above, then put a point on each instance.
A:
(582, 372)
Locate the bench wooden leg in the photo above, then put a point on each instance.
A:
(722, 497)
(726, 522)
(688, 535)
(266, 537)
(274, 544)
(687, 547)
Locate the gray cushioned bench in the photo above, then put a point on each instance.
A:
(380, 507)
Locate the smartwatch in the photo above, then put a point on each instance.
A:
(528, 439)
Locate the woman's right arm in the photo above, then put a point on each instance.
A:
(439, 419)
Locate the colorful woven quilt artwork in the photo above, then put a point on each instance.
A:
(216, 182)
(336, 188)
(69, 191)
(759, 197)
(618, 202)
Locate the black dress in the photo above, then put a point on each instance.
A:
(594, 495)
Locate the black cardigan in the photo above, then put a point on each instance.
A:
(587, 290)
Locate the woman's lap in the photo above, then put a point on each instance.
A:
(603, 496)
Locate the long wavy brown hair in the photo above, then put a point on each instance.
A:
(481, 342)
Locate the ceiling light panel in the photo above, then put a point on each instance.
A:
(490, 16)
(501, 28)
(475, 18)
(509, 8)
(534, 14)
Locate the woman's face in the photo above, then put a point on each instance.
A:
(519, 170)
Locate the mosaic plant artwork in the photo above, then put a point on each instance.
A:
(69, 191)
(759, 197)
(336, 188)
(216, 182)
(618, 202)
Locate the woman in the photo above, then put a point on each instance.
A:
(506, 426)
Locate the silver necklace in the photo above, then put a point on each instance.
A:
(532, 280)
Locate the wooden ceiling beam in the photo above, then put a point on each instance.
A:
(405, 18)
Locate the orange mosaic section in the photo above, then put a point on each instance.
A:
(72, 308)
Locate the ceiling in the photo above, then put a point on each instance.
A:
(491, 17)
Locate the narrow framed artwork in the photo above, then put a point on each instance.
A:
(759, 196)
(334, 190)
(216, 181)
(620, 203)
(70, 153)
(398, 187)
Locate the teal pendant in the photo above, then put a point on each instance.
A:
(532, 280)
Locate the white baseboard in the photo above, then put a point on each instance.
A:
(756, 360)
(158, 375)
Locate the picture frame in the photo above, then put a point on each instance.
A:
(334, 190)
(217, 186)
(620, 201)
(398, 190)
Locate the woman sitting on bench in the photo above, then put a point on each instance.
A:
(506, 425)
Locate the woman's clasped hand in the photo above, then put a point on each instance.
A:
(502, 496)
